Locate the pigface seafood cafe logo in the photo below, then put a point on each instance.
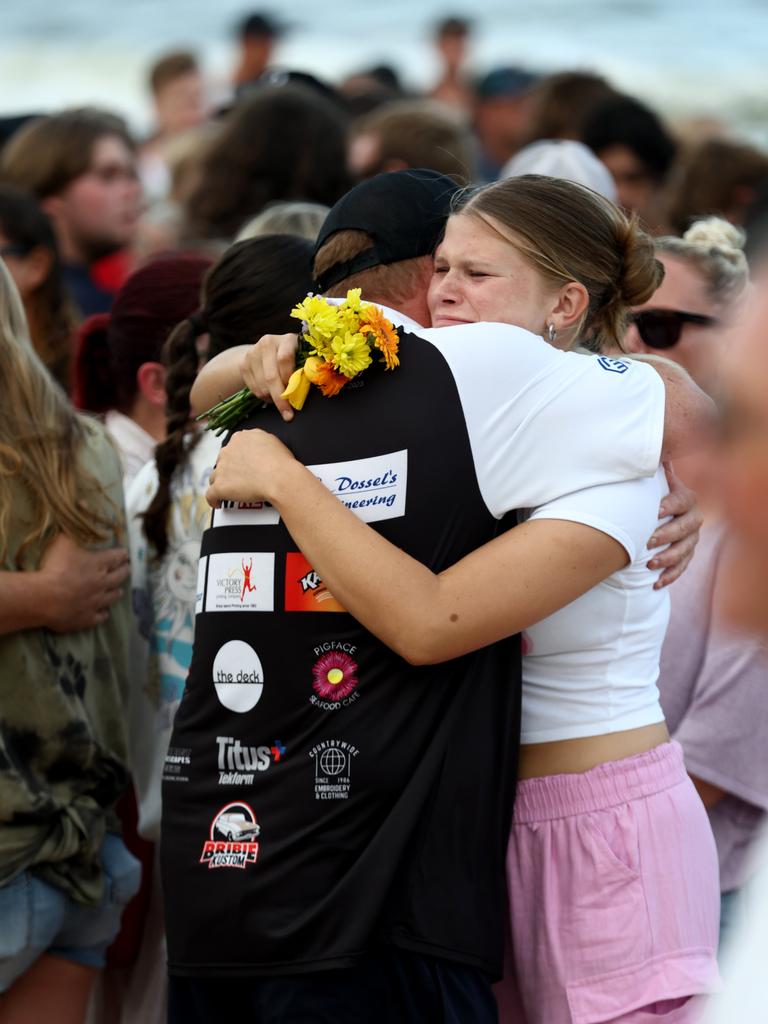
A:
(232, 842)
(334, 676)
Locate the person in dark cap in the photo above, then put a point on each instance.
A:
(257, 34)
(502, 99)
(359, 872)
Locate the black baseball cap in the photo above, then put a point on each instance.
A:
(404, 212)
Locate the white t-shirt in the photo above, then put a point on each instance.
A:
(592, 667)
(543, 423)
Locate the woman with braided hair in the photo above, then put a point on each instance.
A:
(250, 291)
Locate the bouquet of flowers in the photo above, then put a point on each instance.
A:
(337, 344)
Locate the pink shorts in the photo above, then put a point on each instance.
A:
(614, 895)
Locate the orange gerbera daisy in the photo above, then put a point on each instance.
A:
(323, 374)
(385, 337)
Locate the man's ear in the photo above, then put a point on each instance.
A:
(150, 378)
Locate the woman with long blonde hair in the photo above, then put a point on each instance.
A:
(65, 874)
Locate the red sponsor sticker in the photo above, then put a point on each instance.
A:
(304, 590)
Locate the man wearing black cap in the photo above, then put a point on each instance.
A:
(333, 847)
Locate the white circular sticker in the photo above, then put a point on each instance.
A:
(238, 676)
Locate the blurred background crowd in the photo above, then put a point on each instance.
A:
(115, 234)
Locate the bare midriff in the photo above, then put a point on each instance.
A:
(573, 756)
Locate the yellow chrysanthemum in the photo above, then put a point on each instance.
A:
(351, 353)
(384, 336)
(298, 389)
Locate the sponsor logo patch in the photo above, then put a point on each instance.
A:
(241, 582)
(245, 513)
(200, 590)
(334, 676)
(238, 676)
(304, 590)
(232, 842)
(238, 763)
(333, 769)
(374, 489)
(177, 762)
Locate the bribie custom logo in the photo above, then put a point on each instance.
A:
(613, 365)
(374, 489)
(232, 838)
(238, 764)
(240, 581)
(304, 590)
(245, 513)
(177, 762)
(238, 676)
(334, 676)
(333, 768)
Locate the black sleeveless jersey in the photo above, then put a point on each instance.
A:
(322, 795)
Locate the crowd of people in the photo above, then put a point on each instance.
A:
(440, 697)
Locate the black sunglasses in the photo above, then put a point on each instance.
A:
(661, 328)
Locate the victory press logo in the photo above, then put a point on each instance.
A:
(238, 676)
(240, 582)
(334, 676)
(232, 842)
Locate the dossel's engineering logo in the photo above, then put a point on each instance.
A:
(373, 489)
(333, 769)
(232, 838)
(334, 676)
(238, 763)
(304, 590)
(240, 582)
(238, 676)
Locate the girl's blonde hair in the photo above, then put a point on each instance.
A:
(570, 233)
(40, 438)
(715, 248)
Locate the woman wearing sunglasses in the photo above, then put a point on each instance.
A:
(712, 682)
(705, 272)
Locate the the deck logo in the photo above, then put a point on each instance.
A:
(238, 676)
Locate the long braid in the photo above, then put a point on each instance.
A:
(181, 358)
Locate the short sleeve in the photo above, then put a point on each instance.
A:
(543, 423)
(626, 511)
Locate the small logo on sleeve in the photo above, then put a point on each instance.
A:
(613, 365)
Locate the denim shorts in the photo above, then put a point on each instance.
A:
(39, 918)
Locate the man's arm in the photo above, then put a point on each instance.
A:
(72, 590)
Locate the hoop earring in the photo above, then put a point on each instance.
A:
(551, 333)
